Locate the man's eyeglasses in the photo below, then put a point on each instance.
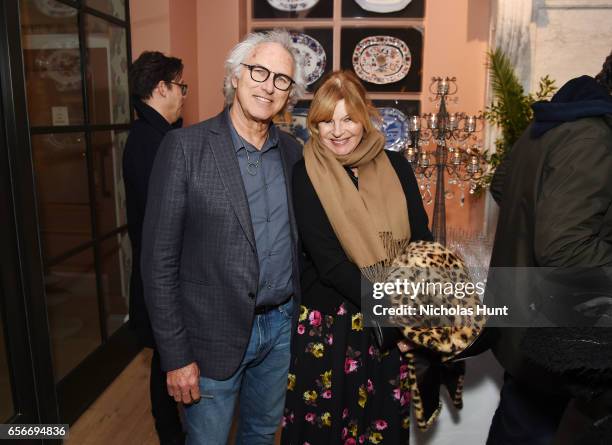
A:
(261, 74)
(183, 86)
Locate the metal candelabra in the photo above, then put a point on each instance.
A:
(457, 149)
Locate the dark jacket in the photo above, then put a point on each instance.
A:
(199, 259)
(140, 149)
(329, 277)
(555, 196)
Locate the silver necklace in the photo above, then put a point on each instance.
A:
(252, 166)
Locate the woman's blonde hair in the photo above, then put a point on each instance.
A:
(335, 87)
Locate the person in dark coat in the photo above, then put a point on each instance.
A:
(159, 93)
(555, 196)
(349, 195)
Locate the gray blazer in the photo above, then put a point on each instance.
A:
(199, 260)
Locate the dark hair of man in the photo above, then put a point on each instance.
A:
(149, 69)
(605, 75)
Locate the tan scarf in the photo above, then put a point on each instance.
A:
(371, 222)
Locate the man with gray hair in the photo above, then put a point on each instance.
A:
(220, 258)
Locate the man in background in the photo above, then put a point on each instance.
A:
(159, 93)
(555, 196)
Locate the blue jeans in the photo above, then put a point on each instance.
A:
(259, 385)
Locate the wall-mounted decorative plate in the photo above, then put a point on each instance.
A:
(63, 67)
(299, 126)
(395, 128)
(292, 5)
(381, 59)
(53, 8)
(313, 56)
(383, 6)
(383, 9)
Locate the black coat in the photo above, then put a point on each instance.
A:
(329, 277)
(555, 195)
(143, 141)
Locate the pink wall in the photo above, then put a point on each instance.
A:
(183, 44)
(150, 20)
(202, 32)
(218, 32)
(456, 42)
(160, 25)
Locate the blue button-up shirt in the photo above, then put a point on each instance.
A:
(264, 182)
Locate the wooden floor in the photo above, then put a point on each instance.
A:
(122, 414)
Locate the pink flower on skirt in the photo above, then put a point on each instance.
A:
(344, 432)
(327, 394)
(350, 441)
(330, 339)
(345, 413)
(310, 417)
(315, 318)
(371, 351)
(362, 438)
(403, 371)
(301, 329)
(341, 310)
(397, 394)
(380, 425)
(350, 365)
(370, 386)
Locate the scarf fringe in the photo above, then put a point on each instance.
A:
(393, 247)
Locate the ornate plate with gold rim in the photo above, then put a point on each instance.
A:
(381, 59)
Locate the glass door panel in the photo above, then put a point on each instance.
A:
(116, 8)
(108, 177)
(108, 96)
(72, 301)
(64, 210)
(115, 277)
(50, 40)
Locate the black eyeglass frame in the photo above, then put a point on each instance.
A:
(276, 76)
(184, 87)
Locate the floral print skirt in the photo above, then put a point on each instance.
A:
(341, 389)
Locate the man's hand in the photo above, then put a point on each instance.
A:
(184, 383)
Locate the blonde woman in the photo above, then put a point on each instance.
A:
(356, 206)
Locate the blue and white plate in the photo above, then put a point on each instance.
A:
(395, 128)
(292, 5)
(299, 127)
(312, 54)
